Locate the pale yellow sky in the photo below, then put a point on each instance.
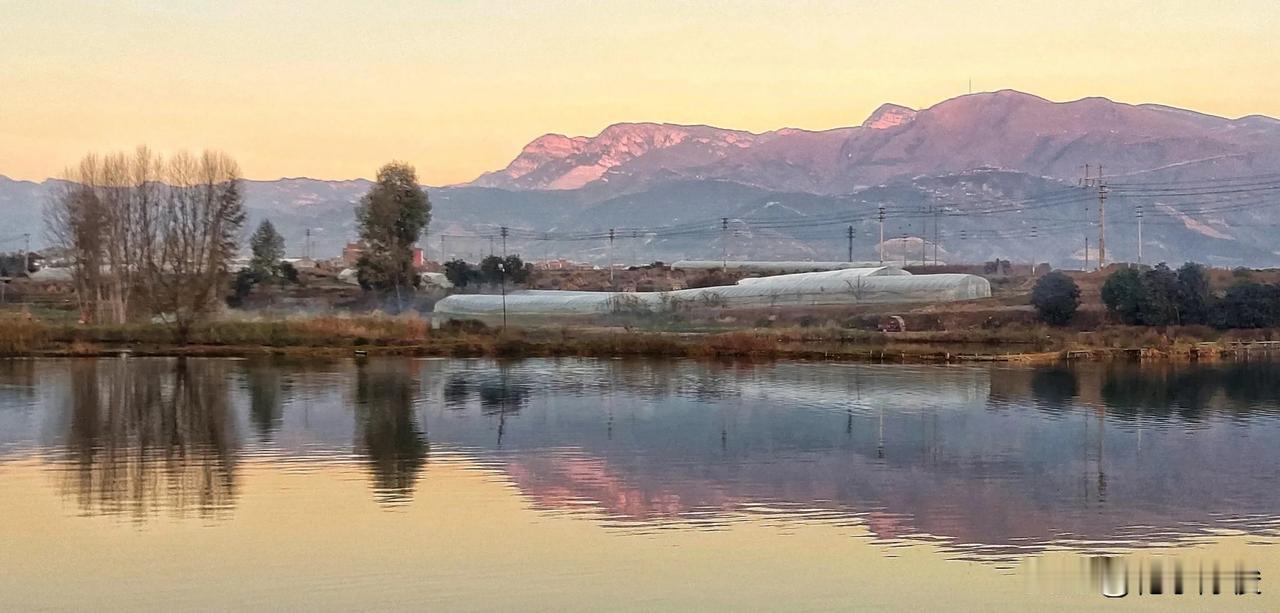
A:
(333, 89)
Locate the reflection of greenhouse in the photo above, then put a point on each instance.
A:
(850, 286)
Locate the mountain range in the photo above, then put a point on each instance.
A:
(1000, 173)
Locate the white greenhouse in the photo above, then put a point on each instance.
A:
(782, 266)
(850, 286)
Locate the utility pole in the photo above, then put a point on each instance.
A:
(1102, 219)
(1086, 182)
(724, 248)
(1139, 234)
(502, 275)
(924, 233)
(924, 244)
(904, 249)
(882, 234)
(850, 242)
(1100, 184)
(611, 235)
(26, 255)
(503, 229)
(937, 211)
(306, 245)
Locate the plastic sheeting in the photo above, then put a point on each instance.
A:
(784, 266)
(880, 285)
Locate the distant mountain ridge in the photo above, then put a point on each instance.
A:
(981, 150)
(1006, 129)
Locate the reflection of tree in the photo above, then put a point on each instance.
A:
(17, 380)
(1054, 387)
(388, 434)
(267, 388)
(150, 434)
(456, 392)
(1163, 390)
(502, 396)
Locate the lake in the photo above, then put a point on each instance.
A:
(575, 484)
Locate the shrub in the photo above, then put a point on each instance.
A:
(1056, 298)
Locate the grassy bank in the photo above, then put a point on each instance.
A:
(345, 336)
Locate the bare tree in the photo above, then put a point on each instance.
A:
(149, 236)
(75, 221)
(198, 230)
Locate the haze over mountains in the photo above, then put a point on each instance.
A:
(1000, 170)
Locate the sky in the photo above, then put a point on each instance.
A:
(334, 89)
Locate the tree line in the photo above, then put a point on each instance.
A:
(153, 237)
(1162, 296)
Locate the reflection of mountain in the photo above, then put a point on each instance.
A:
(150, 434)
(992, 457)
(387, 432)
(1026, 465)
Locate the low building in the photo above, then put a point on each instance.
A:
(351, 253)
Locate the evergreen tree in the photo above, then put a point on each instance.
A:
(268, 249)
(1161, 292)
(391, 218)
(1124, 295)
(1194, 297)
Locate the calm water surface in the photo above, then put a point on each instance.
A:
(608, 484)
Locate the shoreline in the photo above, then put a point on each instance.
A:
(330, 337)
(739, 345)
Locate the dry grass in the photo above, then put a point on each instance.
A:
(330, 336)
(310, 332)
(20, 334)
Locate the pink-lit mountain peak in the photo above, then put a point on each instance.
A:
(889, 115)
(1005, 129)
(558, 162)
